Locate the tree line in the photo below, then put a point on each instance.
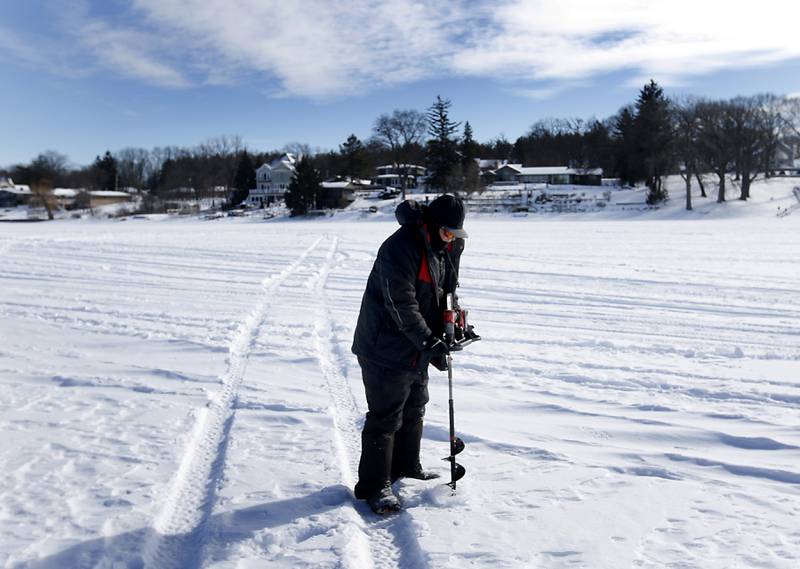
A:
(642, 143)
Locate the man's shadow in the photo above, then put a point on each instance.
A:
(125, 550)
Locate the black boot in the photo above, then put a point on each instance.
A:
(375, 465)
(417, 473)
(405, 458)
(384, 501)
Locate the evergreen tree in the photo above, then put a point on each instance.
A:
(442, 151)
(623, 136)
(596, 147)
(305, 189)
(654, 138)
(469, 148)
(470, 172)
(244, 180)
(104, 172)
(353, 157)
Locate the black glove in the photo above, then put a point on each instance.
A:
(435, 347)
(439, 362)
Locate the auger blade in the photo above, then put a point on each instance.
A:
(457, 472)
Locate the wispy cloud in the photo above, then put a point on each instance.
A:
(321, 50)
(130, 53)
(14, 47)
(36, 50)
(318, 49)
(540, 93)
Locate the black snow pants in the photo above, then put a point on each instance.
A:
(392, 432)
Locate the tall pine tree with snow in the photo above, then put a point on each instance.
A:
(305, 189)
(653, 133)
(442, 150)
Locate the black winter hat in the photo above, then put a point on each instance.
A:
(448, 212)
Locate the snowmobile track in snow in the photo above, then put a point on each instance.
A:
(383, 543)
(176, 538)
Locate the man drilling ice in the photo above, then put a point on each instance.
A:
(400, 331)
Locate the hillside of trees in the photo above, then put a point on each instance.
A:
(643, 142)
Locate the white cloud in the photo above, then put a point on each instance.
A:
(130, 53)
(558, 39)
(319, 49)
(36, 50)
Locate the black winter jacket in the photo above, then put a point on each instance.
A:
(404, 300)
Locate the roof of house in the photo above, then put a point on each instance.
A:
(399, 166)
(392, 176)
(109, 194)
(287, 161)
(484, 163)
(72, 192)
(512, 166)
(551, 170)
(18, 189)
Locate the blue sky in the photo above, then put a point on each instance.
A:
(82, 76)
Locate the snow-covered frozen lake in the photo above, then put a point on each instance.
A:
(181, 394)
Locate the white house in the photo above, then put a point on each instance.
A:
(787, 157)
(549, 175)
(272, 181)
(12, 194)
(391, 175)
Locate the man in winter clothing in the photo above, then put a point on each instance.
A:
(399, 332)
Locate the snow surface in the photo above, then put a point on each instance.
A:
(180, 393)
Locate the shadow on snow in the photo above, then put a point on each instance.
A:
(125, 550)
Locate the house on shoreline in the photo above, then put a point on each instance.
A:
(272, 181)
(392, 175)
(787, 157)
(551, 175)
(12, 195)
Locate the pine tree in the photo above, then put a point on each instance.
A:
(469, 148)
(442, 151)
(305, 189)
(244, 180)
(470, 172)
(353, 156)
(104, 172)
(624, 144)
(654, 138)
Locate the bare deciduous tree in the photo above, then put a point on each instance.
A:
(753, 134)
(400, 133)
(41, 190)
(135, 166)
(686, 147)
(299, 149)
(715, 139)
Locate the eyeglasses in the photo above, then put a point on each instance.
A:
(447, 235)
